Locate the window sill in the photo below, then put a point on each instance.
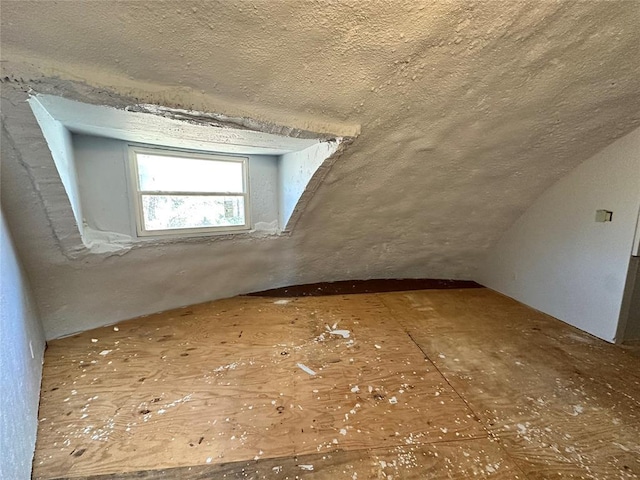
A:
(112, 243)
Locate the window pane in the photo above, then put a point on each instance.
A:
(178, 174)
(168, 212)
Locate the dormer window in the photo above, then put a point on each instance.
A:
(149, 174)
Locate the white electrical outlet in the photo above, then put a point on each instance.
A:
(604, 216)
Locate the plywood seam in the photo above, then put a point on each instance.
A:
(490, 434)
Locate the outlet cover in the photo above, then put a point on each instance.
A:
(603, 216)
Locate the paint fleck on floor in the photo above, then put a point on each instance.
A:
(438, 383)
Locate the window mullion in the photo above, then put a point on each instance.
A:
(192, 194)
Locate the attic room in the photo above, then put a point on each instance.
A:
(320, 239)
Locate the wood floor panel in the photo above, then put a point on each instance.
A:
(148, 390)
(557, 415)
(579, 450)
(422, 384)
(478, 458)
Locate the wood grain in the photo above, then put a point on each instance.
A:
(562, 403)
(454, 383)
(477, 458)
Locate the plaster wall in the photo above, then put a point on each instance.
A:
(294, 173)
(21, 355)
(102, 171)
(103, 182)
(59, 140)
(558, 259)
(467, 113)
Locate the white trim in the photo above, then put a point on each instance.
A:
(635, 249)
(136, 194)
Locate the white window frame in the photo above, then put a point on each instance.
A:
(137, 194)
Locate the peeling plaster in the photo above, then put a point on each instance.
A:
(468, 112)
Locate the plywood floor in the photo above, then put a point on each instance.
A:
(428, 384)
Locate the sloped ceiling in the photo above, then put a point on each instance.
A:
(467, 111)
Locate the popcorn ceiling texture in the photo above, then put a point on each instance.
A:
(467, 112)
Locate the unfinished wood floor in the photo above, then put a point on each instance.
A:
(412, 385)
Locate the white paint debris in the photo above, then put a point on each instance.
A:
(281, 302)
(209, 459)
(355, 389)
(621, 447)
(277, 469)
(306, 369)
(186, 398)
(377, 346)
(343, 431)
(116, 329)
(577, 410)
(393, 400)
(105, 352)
(94, 340)
(231, 366)
(342, 333)
(306, 467)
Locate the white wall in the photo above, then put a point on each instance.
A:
(294, 172)
(102, 170)
(101, 165)
(59, 140)
(20, 364)
(557, 259)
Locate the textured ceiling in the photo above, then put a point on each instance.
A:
(467, 110)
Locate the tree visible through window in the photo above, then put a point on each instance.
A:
(180, 192)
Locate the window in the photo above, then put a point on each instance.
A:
(182, 192)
